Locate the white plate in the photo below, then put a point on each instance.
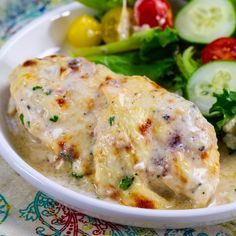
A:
(45, 36)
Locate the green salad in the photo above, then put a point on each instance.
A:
(191, 53)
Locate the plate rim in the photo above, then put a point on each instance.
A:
(53, 189)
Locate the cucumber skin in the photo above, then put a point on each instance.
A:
(231, 2)
(210, 63)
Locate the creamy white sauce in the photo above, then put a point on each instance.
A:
(37, 155)
(40, 158)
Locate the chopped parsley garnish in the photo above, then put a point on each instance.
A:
(37, 88)
(28, 123)
(22, 119)
(66, 156)
(76, 175)
(126, 182)
(54, 118)
(111, 120)
(49, 92)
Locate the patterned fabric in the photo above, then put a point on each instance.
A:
(33, 213)
(4, 209)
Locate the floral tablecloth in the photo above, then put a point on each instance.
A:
(24, 210)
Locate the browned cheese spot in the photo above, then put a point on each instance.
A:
(108, 78)
(62, 70)
(29, 63)
(61, 102)
(113, 192)
(90, 104)
(204, 155)
(53, 56)
(145, 126)
(143, 202)
(124, 80)
(183, 179)
(157, 86)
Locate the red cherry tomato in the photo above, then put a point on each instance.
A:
(220, 49)
(153, 13)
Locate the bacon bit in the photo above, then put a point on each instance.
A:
(145, 126)
(61, 102)
(204, 155)
(29, 63)
(142, 202)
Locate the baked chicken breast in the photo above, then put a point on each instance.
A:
(141, 144)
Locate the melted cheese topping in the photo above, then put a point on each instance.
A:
(107, 127)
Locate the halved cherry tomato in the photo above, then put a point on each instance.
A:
(220, 49)
(153, 13)
(111, 22)
(84, 31)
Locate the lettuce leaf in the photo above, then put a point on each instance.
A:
(187, 65)
(152, 44)
(224, 109)
(130, 64)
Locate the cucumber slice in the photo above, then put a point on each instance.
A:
(202, 21)
(211, 78)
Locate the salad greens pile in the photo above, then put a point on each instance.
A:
(150, 54)
(224, 109)
(193, 55)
